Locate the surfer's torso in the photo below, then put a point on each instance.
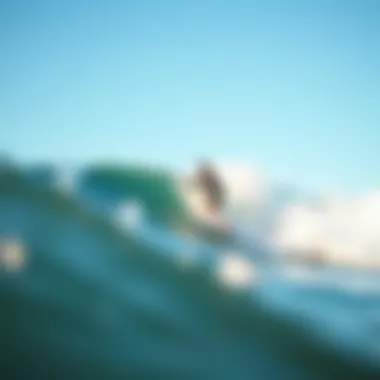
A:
(204, 194)
(211, 184)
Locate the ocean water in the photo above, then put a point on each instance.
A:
(87, 293)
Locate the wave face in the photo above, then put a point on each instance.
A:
(155, 189)
(109, 188)
(85, 297)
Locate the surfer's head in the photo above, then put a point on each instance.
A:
(205, 165)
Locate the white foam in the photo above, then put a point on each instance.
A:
(343, 231)
(130, 214)
(236, 271)
(12, 254)
(244, 184)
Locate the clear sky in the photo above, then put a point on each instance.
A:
(291, 86)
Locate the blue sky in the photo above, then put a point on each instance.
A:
(291, 86)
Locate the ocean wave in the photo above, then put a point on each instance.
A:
(92, 299)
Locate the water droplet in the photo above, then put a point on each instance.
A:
(236, 270)
(12, 254)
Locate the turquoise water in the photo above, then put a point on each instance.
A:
(96, 299)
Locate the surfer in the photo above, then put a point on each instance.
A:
(205, 193)
(209, 181)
